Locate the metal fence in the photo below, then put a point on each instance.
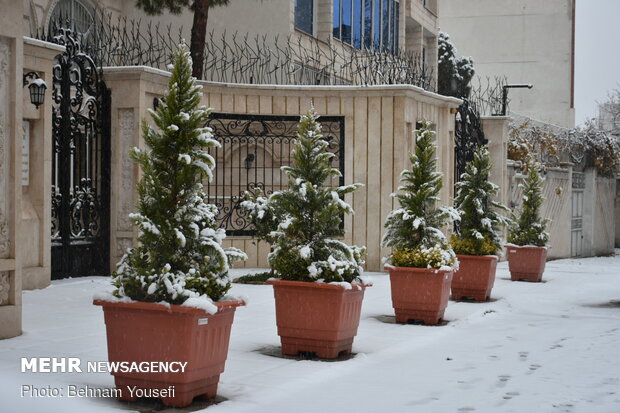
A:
(240, 58)
(254, 148)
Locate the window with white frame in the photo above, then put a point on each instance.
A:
(304, 15)
(368, 24)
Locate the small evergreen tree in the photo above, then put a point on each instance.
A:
(478, 227)
(529, 227)
(413, 229)
(180, 254)
(300, 222)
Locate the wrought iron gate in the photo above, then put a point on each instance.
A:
(468, 135)
(254, 147)
(80, 164)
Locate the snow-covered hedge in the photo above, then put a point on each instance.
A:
(549, 144)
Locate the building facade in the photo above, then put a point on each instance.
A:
(528, 42)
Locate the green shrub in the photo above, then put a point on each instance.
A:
(413, 229)
(300, 221)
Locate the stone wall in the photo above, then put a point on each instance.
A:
(379, 132)
(36, 199)
(11, 50)
(582, 220)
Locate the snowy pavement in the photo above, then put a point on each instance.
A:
(548, 347)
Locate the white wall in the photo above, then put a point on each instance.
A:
(528, 41)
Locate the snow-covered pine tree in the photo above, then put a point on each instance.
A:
(300, 222)
(529, 228)
(478, 229)
(180, 254)
(413, 230)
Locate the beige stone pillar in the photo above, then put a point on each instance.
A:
(35, 239)
(11, 78)
(132, 92)
(496, 131)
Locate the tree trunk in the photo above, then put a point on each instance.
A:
(199, 33)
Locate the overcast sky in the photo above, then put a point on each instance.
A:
(597, 54)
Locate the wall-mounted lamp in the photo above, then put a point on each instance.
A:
(505, 95)
(249, 160)
(36, 87)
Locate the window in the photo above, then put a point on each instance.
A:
(304, 15)
(370, 24)
(385, 33)
(75, 12)
(337, 19)
(345, 19)
(357, 24)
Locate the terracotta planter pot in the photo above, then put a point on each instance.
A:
(419, 293)
(526, 263)
(317, 318)
(139, 332)
(475, 277)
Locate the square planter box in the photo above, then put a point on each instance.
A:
(475, 277)
(419, 293)
(526, 263)
(317, 318)
(146, 332)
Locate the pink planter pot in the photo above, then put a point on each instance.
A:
(475, 277)
(526, 263)
(419, 293)
(146, 332)
(317, 318)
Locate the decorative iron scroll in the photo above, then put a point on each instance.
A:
(80, 163)
(254, 148)
(468, 136)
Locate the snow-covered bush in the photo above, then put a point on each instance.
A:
(454, 74)
(478, 229)
(587, 145)
(180, 256)
(529, 227)
(300, 222)
(413, 230)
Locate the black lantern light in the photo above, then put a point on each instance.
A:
(36, 88)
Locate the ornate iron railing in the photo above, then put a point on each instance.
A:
(254, 148)
(240, 58)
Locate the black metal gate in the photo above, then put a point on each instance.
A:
(253, 150)
(468, 135)
(80, 164)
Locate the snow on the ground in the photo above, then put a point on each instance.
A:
(548, 347)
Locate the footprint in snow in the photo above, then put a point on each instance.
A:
(511, 394)
(523, 355)
(466, 409)
(533, 368)
(502, 380)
